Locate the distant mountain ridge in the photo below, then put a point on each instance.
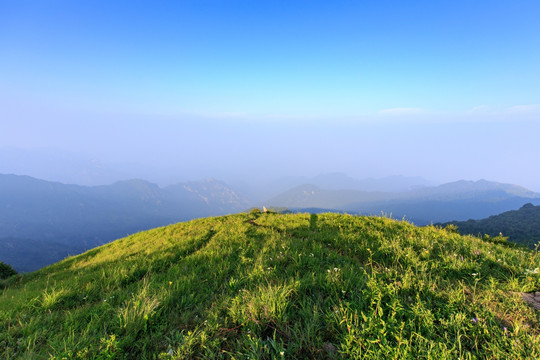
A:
(466, 188)
(35, 214)
(82, 217)
(458, 200)
(66, 167)
(341, 181)
(521, 226)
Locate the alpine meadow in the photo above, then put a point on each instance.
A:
(279, 286)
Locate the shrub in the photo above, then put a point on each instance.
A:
(452, 228)
(6, 270)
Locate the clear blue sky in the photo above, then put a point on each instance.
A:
(444, 90)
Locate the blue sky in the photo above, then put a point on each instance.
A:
(444, 90)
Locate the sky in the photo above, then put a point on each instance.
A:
(189, 89)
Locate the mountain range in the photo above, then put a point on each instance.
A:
(49, 220)
(42, 221)
(460, 200)
(333, 181)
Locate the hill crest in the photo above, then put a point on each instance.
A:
(278, 286)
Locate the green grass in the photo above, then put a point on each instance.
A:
(273, 286)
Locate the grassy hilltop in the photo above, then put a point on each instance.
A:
(270, 286)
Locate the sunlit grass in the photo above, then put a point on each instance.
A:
(278, 286)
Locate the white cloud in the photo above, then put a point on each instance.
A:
(531, 108)
(517, 110)
(479, 109)
(402, 111)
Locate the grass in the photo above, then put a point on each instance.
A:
(273, 286)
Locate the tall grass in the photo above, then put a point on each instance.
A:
(263, 286)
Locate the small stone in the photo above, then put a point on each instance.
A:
(531, 299)
(329, 348)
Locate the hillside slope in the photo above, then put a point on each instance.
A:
(278, 286)
(521, 226)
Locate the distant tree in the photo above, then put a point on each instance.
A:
(6, 271)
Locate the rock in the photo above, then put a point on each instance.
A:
(330, 349)
(531, 298)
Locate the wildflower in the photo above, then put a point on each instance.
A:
(170, 352)
(474, 320)
(474, 274)
(170, 283)
(282, 353)
(336, 269)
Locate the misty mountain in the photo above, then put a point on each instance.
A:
(334, 181)
(458, 200)
(81, 217)
(311, 196)
(396, 183)
(48, 220)
(464, 189)
(66, 167)
(521, 226)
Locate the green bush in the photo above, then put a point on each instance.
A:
(6, 271)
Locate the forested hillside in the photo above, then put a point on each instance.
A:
(520, 226)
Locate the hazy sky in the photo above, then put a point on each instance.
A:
(440, 89)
